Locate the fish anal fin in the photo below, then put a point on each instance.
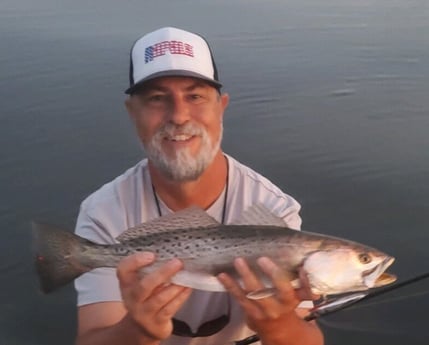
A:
(198, 280)
(270, 291)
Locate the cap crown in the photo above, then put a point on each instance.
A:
(171, 52)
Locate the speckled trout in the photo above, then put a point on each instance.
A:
(207, 248)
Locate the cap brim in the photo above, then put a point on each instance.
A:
(172, 73)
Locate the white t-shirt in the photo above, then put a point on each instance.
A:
(128, 201)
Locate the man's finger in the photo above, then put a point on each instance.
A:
(235, 290)
(250, 280)
(286, 294)
(278, 277)
(162, 275)
(175, 303)
(305, 292)
(129, 267)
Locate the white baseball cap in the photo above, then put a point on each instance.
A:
(171, 52)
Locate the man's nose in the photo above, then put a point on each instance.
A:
(179, 111)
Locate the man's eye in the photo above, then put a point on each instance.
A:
(155, 98)
(196, 97)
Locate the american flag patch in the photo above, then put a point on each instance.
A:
(174, 47)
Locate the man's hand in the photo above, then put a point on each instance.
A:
(269, 316)
(151, 301)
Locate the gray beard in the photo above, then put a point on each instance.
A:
(183, 167)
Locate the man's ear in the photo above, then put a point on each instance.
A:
(224, 98)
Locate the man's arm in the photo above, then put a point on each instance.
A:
(144, 316)
(106, 323)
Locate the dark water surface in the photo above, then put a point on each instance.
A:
(329, 99)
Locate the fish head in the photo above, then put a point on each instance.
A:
(341, 270)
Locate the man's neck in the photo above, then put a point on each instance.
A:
(202, 192)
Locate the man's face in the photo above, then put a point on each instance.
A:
(179, 121)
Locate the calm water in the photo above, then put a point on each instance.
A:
(329, 100)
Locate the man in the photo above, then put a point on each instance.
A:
(177, 108)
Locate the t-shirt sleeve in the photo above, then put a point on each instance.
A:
(290, 214)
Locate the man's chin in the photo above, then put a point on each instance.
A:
(181, 165)
(179, 169)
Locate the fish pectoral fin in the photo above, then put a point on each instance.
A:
(198, 280)
(331, 304)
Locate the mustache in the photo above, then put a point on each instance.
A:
(170, 130)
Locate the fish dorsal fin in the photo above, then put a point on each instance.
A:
(189, 218)
(259, 215)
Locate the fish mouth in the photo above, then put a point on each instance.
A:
(376, 276)
(385, 279)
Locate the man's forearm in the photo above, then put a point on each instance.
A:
(125, 332)
(294, 331)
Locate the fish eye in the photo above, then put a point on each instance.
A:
(365, 258)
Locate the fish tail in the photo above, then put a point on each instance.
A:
(55, 256)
